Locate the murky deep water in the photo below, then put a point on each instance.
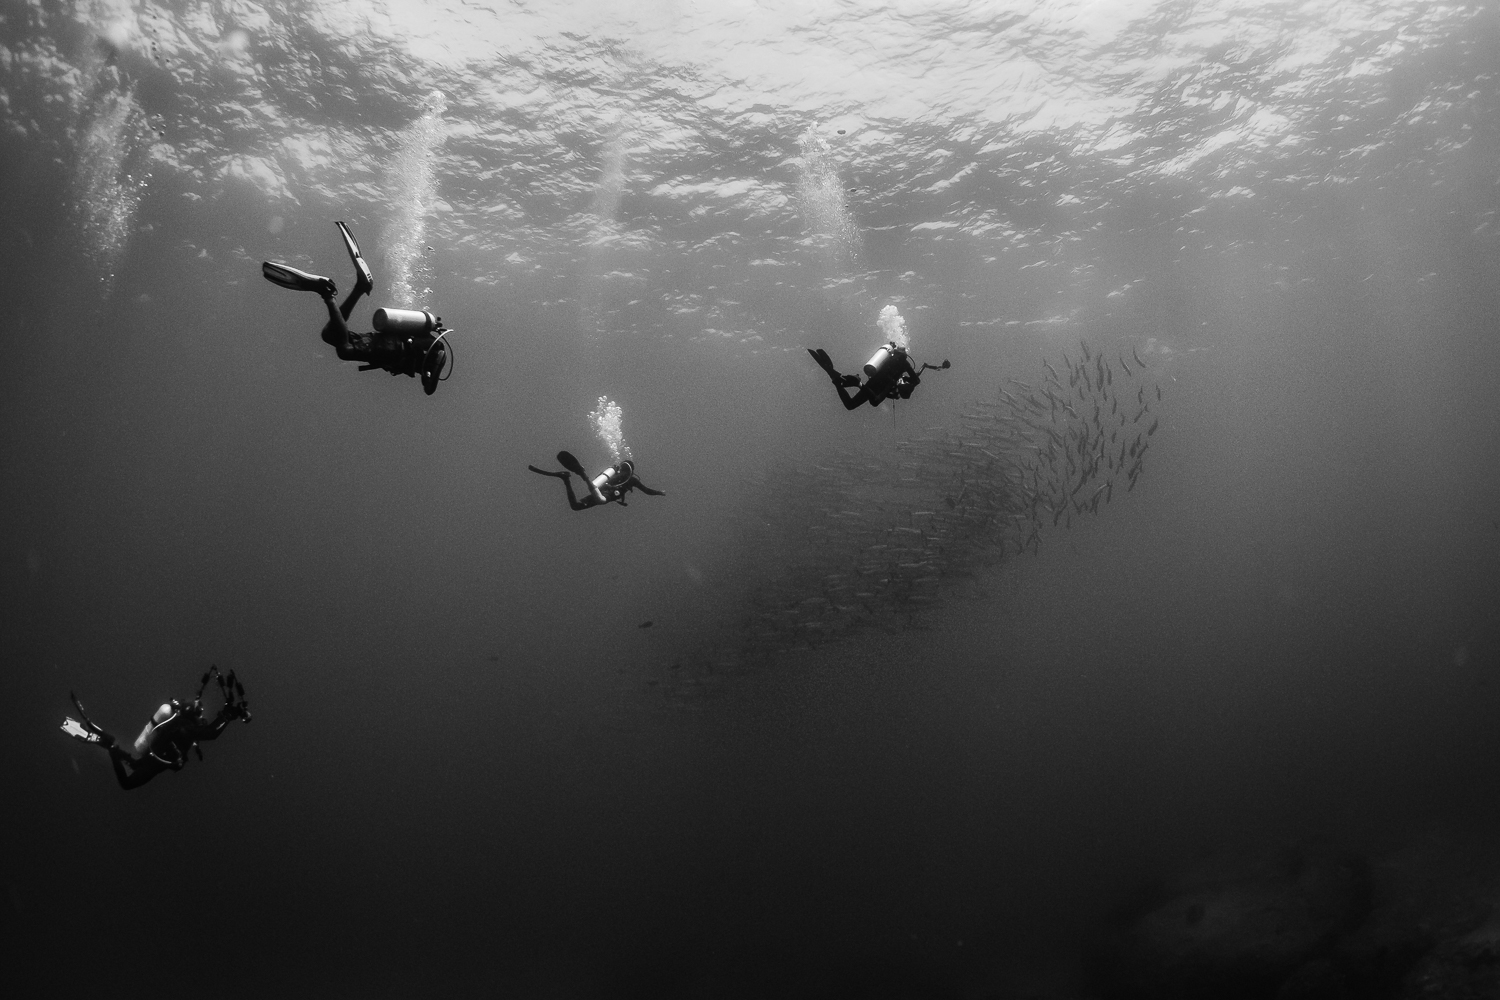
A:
(470, 767)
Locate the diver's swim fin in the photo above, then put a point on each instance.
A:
(567, 461)
(544, 472)
(297, 281)
(363, 279)
(826, 363)
(85, 730)
(77, 730)
(81, 713)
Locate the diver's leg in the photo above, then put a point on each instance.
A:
(852, 402)
(840, 382)
(135, 776)
(573, 501)
(567, 485)
(349, 302)
(336, 330)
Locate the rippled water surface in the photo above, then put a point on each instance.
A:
(862, 706)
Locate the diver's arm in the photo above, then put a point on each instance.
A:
(635, 482)
(205, 731)
(230, 711)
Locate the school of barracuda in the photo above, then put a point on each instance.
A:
(867, 541)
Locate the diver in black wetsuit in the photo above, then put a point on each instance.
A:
(891, 373)
(610, 486)
(174, 730)
(405, 342)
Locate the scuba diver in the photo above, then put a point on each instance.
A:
(609, 486)
(165, 741)
(405, 341)
(890, 374)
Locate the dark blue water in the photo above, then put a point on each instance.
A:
(470, 768)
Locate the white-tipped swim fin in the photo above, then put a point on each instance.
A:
(75, 729)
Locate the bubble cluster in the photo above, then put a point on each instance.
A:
(893, 327)
(608, 421)
(413, 191)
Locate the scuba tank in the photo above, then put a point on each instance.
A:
(405, 322)
(878, 360)
(617, 476)
(146, 742)
(417, 350)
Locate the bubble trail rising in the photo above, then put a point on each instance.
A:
(413, 192)
(893, 327)
(608, 421)
(108, 193)
(820, 198)
(605, 231)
